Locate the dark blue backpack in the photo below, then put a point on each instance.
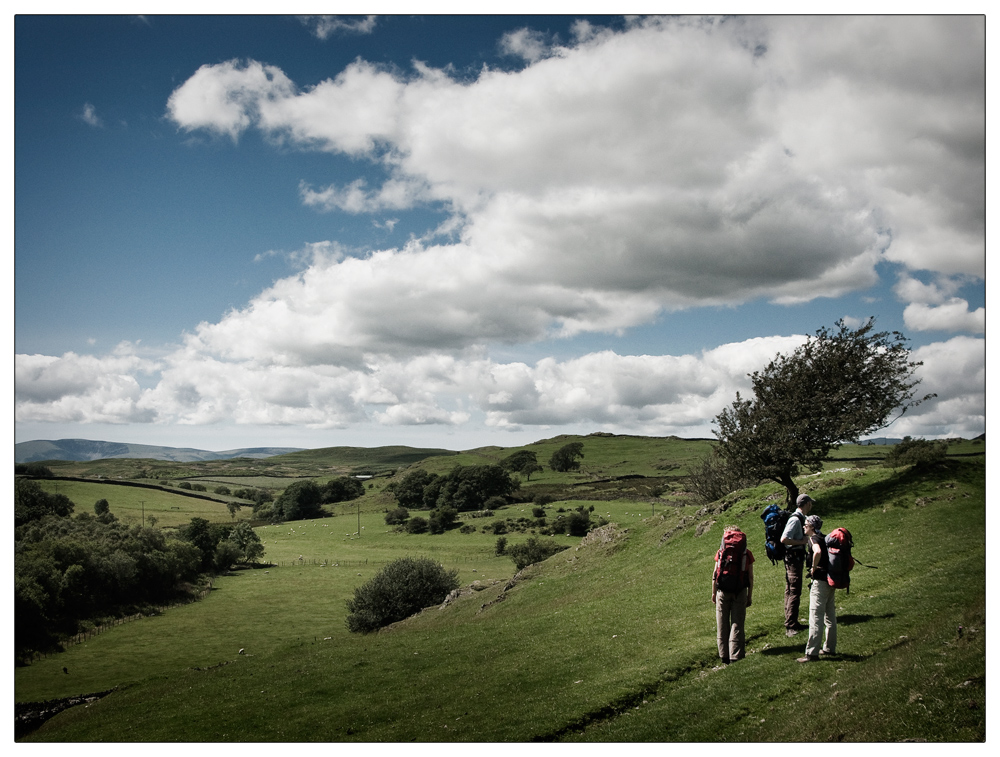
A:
(774, 518)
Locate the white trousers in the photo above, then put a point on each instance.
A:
(822, 613)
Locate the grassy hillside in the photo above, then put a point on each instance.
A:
(611, 640)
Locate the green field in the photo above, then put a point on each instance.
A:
(132, 504)
(606, 641)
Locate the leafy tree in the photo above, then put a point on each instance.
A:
(524, 462)
(101, 507)
(409, 491)
(233, 508)
(465, 488)
(247, 542)
(565, 458)
(532, 551)
(299, 501)
(342, 489)
(834, 389)
(226, 555)
(402, 588)
(470, 487)
(223, 490)
(31, 502)
(35, 470)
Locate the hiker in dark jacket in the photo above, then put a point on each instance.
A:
(822, 601)
(731, 608)
(794, 539)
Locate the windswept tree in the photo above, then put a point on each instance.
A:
(836, 388)
(524, 462)
(565, 458)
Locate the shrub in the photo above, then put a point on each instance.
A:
(920, 453)
(184, 485)
(416, 525)
(501, 547)
(715, 478)
(224, 490)
(402, 588)
(538, 512)
(532, 551)
(496, 527)
(397, 516)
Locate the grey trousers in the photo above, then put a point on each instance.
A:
(730, 615)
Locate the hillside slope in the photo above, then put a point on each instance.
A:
(614, 641)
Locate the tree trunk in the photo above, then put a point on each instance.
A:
(792, 491)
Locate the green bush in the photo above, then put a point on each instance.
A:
(920, 453)
(400, 589)
(501, 547)
(397, 516)
(532, 551)
(416, 525)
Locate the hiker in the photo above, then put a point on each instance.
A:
(822, 596)
(732, 593)
(794, 539)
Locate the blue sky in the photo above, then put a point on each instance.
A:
(466, 230)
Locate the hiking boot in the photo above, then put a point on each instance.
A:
(808, 658)
(824, 653)
(791, 632)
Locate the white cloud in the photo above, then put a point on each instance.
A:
(934, 307)
(81, 388)
(90, 117)
(678, 163)
(647, 394)
(953, 315)
(675, 164)
(529, 44)
(323, 27)
(955, 370)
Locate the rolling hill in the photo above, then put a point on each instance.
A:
(85, 449)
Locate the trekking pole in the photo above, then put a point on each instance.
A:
(867, 566)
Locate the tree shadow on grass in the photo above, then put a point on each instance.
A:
(850, 620)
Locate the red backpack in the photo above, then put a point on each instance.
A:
(731, 567)
(840, 563)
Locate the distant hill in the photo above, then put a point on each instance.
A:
(84, 449)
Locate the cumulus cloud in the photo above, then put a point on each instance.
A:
(956, 371)
(673, 164)
(677, 163)
(81, 388)
(934, 306)
(649, 394)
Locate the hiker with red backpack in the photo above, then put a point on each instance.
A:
(794, 540)
(822, 594)
(732, 593)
